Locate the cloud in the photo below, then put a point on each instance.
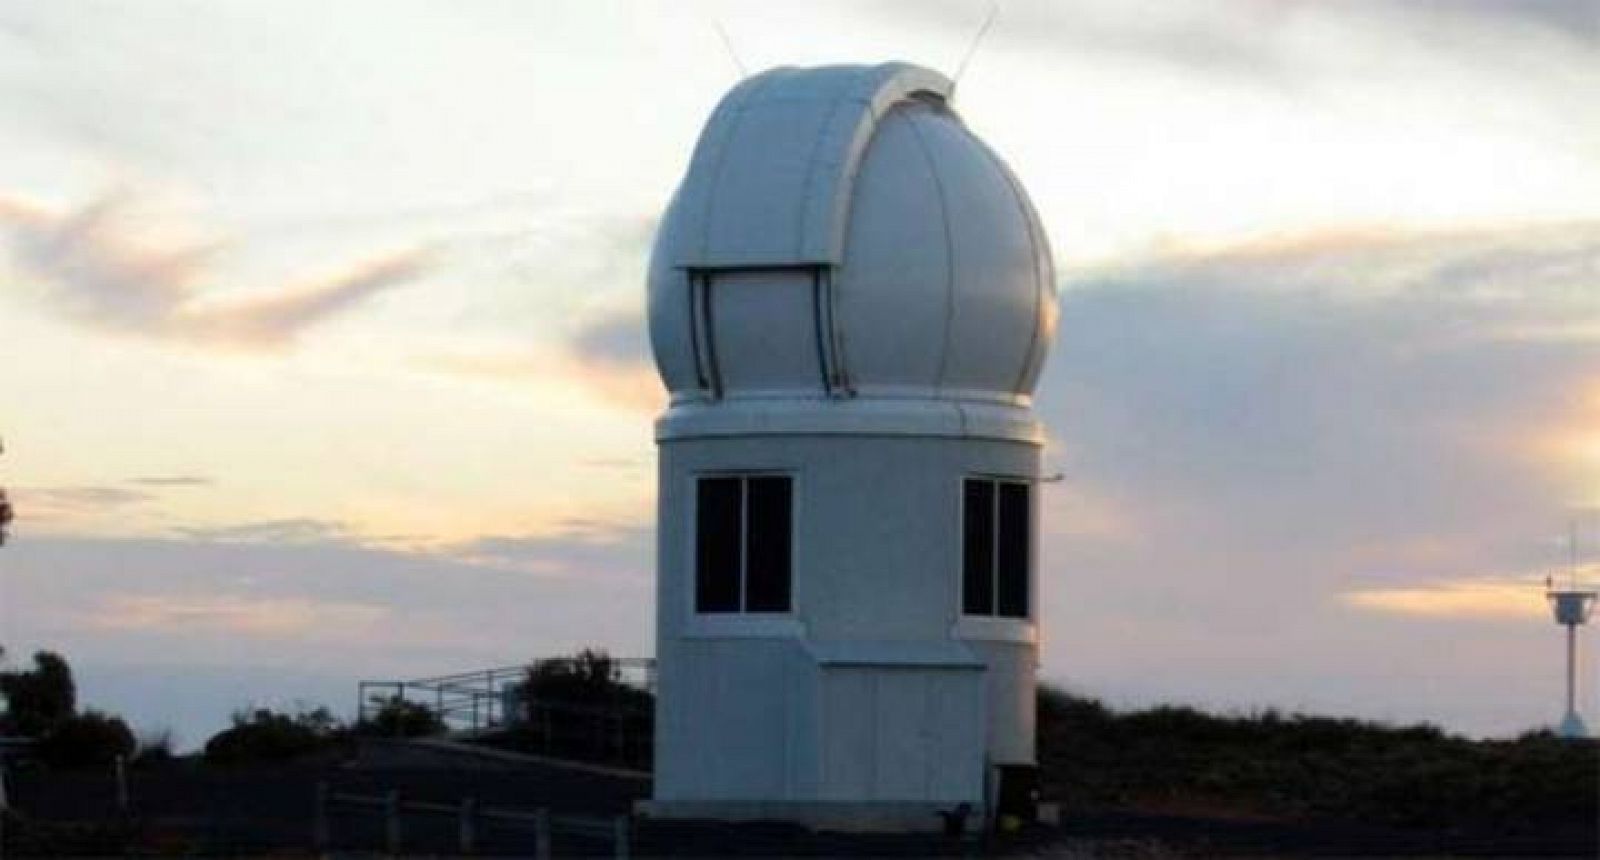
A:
(1263, 41)
(102, 273)
(1334, 386)
(175, 481)
(276, 612)
(1575, 19)
(231, 614)
(607, 355)
(302, 530)
(580, 549)
(1487, 599)
(1311, 441)
(56, 504)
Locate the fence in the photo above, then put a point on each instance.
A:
(473, 702)
(586, 708)
(469, 818)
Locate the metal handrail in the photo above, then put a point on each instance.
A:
(472, 702)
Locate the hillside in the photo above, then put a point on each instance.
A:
(1269, 766)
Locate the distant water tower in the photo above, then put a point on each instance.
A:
(851, 298)
(1572, 606)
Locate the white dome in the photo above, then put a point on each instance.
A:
(842, 235)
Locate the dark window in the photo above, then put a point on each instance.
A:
(997, 520)
(1011, 561)
(742, 544)
(978, 569)
(717, 545)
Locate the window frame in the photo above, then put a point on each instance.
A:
(970, 621)
(733, 617)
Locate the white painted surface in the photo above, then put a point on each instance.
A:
(937, 280)
(849, 288)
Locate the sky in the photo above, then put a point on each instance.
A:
(325, 356)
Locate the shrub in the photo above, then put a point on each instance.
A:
(36, 701)
(90, 739)
(1318, 767)
(580, 707)
(154, 748)
(401, 718)
(591, 676)
(263, 735)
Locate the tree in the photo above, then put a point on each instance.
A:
(7, 514)
(89, 739)
(264, 735)
(37, 701)
(581, 707)
(400, 718)
(591, 676)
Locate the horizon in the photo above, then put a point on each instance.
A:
(329, 363)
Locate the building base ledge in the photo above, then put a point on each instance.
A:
(843, 816)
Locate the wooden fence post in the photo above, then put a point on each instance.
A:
(541, 834)
(391, 821)
(319, 818)
(619, 831)
(467, 824)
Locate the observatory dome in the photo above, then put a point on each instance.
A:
(841, 234)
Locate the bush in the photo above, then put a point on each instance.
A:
(401, 718)
(154, 748)
(263, 735)
(590, 677)
(580, 707)
(90, 739)
(1318, 767)
(36, 701)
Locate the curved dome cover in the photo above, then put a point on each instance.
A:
(840, 233)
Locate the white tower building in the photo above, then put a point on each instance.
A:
(851, 298)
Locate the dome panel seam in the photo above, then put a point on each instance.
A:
(949, 252)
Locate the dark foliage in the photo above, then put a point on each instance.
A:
(590, 676)
(154, 749)
(89, 739)
(1310, 767)
(37, 700)
(399, 718)
(264, 736)
(30, 837)
(7, 514)
(579, 707)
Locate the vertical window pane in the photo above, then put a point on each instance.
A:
(717, 529)
(1015, 524)
(767, 550)
(977, 564)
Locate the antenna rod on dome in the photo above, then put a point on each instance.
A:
(977, 41)
(728, 43)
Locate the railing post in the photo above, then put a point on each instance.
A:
(5, 804)
(119, 769)
(391, 822)
(319, 818)
(467, 826)
(541, 834)
(619, 831)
